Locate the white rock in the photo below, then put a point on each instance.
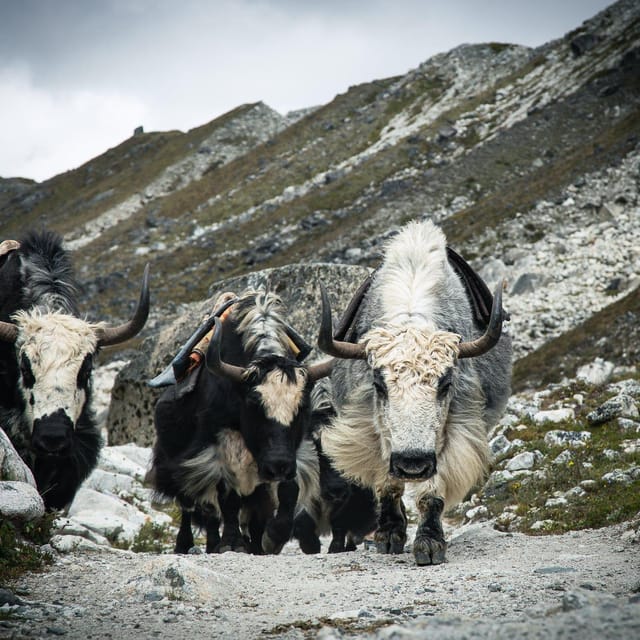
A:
(556, 502)
(524, 460)
(554, 415)
(112, 459)
(20, 501)
(542, 524)
(559, 438)
(12, 466)
(68, 527)
(597, 373)
(110, 482)
(563, 457)
(69, 543)
(108, 515)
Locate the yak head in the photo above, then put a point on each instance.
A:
(414, 374)
(274, 394)
(55, 355)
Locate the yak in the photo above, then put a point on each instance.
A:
(418, 388)
(47, 357)
(342, 507)
(232, 440)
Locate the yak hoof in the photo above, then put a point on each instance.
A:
(271, 546)
(239, 545)
(429, 550)
(390, 541)
(310, 545)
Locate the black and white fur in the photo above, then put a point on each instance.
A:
(410, 407)
(47, 355)
(236, 449)
(342, 508)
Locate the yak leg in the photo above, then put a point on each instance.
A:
(211, 520)
(338, 535)
(391, 534)
(232, 539)
(259, 506)
(304, 530)
(429, 546)
(280, 527)
(184, 539)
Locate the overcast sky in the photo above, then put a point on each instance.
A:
(77, 76)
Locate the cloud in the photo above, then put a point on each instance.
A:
(47, 131)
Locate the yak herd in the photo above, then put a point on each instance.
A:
(256, 445)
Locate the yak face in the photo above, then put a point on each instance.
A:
(275, 415)
(55, 355)
(414, 374)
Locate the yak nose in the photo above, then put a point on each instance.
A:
(277, 470)
(52, 434)
(413, 464)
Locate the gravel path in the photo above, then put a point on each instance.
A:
(494, 584)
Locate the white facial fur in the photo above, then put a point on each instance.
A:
(411, 362)
(55, 346)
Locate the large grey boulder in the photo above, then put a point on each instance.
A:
(130, 416)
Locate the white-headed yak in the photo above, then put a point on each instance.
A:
(47, 355)
(418, 387)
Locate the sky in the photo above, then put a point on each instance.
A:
(78, 76)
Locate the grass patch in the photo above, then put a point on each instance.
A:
(19, 547)
(603, 503)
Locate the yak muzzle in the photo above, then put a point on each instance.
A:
(53, 435)
(278, 470)
(413, 464)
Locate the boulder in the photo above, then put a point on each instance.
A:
(130, 418)
(12, 466)
(20, 501)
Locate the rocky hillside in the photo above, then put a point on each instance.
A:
(527, 156)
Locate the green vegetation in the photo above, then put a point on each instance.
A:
(602, 504)
(19, 547)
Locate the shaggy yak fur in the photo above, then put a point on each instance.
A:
(47, 355)
(342, 508)
(417, 390)
(233, 447)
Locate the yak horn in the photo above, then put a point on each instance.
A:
(8, 332)
(491, 336)
(214, 362)
(326, 341)
(320, 370)
(108, 336)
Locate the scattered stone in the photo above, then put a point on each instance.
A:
(629, 387)
(524, 460)
(563, 457)
(556, 502)
(618, 476)
(629, 425)
(542, 524)
(554, 415)
(559, 438)
(20, 501)
(12, 467)
(622, 406)
(597, 373)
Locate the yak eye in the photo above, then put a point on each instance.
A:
(444, 383)
(28, 379)
(85, 372)
(379, 384)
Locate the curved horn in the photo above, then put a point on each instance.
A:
(491, 336)
(326, 341)
(320, 370)
(8, 332)
(115, 335)
(215, 364)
